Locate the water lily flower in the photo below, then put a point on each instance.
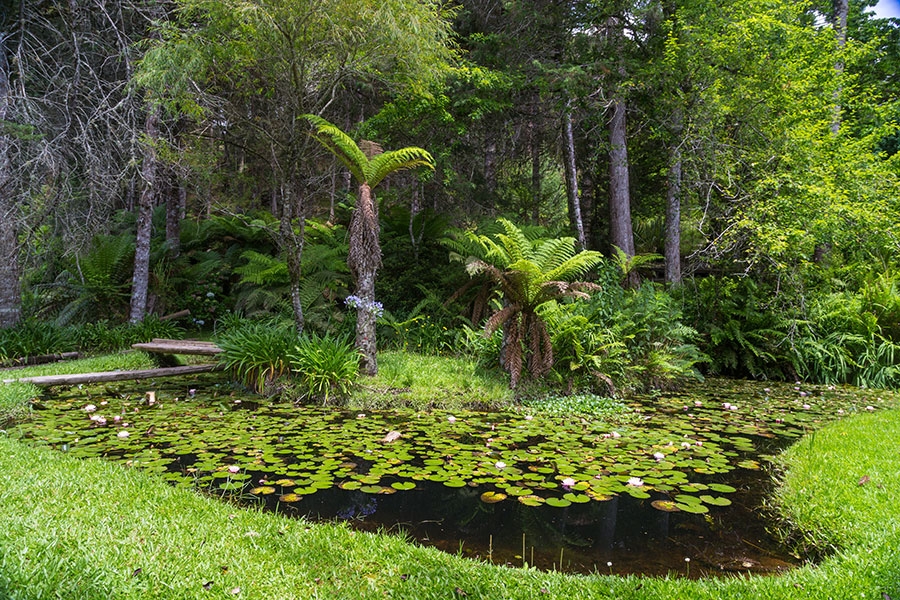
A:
(117, 418)
(568, 482)
(685, 444)
(90, 408)
(732, 407)
(452, 419)
(500, 464)
(528, 417)
(122, 434)
(870, 408)
(840, 411)
(698, 403)
(658, 456)
(361, 416)
(726, 405)
(616, 435)
(767, 390)
(234, 469)
(191, 392)
(803, 394)
(806, 407)
(635, 482)
(98, 419)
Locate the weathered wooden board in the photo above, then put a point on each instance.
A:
(163, 346)
(104, 376)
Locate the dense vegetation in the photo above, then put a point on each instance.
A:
(599, 196)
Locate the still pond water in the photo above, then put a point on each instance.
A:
(675, 486)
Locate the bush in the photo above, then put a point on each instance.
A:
(327, 367)
(257, 353)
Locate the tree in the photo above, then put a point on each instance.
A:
(10, 297)
(527, 273)
(364, 254)
(244, 71)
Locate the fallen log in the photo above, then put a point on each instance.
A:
(163, 346)
(75, 379)
(41, 359)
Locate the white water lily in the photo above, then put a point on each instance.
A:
(635, 482)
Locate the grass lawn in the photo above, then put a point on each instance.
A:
(90, 529)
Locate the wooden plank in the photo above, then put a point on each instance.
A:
(116, 375)
(161, 346)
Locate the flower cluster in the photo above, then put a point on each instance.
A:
(376, 308)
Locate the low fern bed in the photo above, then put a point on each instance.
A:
(90, 529)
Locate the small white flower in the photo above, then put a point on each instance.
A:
(635, 482)
(528, 417)
(98, 419)
(806, 407)
(452, 419)
(500, 464)
(90, 408)
(122, 434)
(616, 435)
(658, 455)
(870, 408)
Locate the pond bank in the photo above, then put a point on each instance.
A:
(91, 529)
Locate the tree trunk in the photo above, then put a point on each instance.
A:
(364, 259)
(176, 199)
(672, 249)
(620, 232)
(10, 294)
(291, 243)
(490, 167)
(535, 171)
(572, 178)
(150, 176)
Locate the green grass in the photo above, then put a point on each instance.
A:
(87, 529)
(420, 381)
(15, 397)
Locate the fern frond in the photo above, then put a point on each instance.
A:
(341, 145)
(382, 165)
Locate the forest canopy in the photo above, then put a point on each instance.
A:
(736, 164)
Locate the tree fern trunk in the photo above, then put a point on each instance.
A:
(291, 242)
(364, 258)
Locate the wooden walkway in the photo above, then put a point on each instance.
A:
(160, 346)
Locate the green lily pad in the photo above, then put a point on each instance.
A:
(558, 502)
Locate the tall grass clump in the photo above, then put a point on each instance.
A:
(258, 353)
(326, 367)
(15, 402)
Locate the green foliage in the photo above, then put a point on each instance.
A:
(96, 284)
(33, 338)
(326, 367)
(258, 353)
(527, 273)
(742, 328)
(264, 285)
(15, 401)
(600, 408)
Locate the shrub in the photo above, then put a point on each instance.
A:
(327, 367)
(257, 353)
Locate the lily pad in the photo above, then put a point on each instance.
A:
(493, 497)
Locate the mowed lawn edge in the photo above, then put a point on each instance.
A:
(89, 529)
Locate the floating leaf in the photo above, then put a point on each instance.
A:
(665, 505)
(493, 497)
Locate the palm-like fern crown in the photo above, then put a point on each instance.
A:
(370, 171)
(533, 271)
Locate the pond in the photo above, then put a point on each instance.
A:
(673, 486)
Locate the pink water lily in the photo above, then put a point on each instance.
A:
(90, 408)
(635, 482)
(234, 469)
(568, 482)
